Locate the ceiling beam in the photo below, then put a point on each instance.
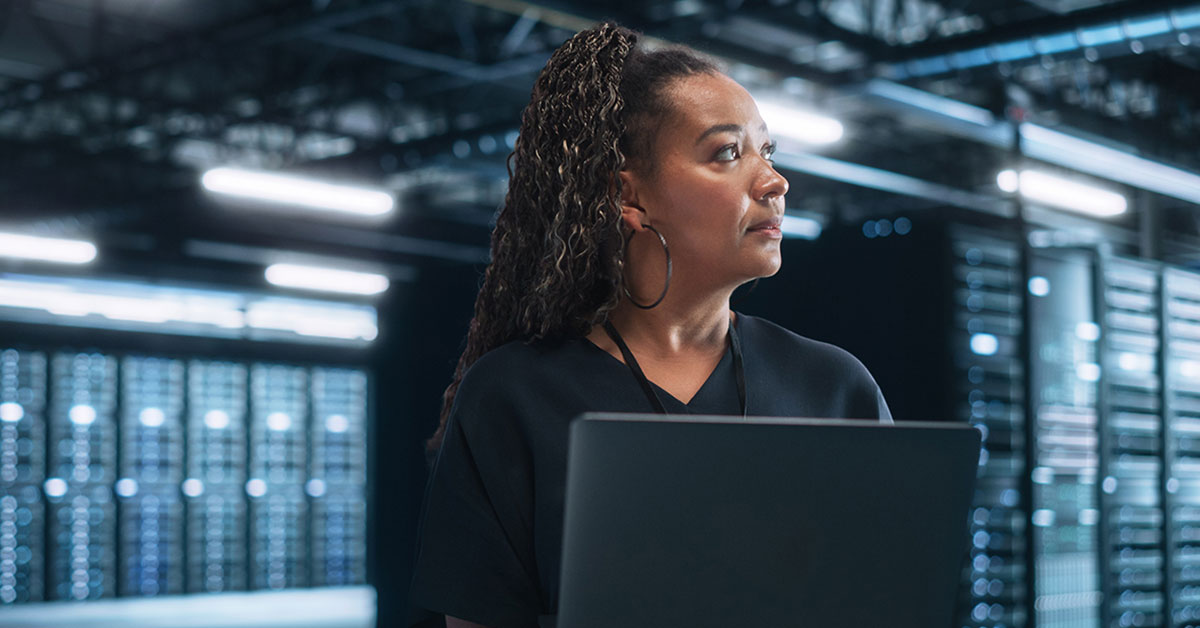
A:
(278, 22)
(1108, 30)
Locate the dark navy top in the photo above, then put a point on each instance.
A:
(491, 530)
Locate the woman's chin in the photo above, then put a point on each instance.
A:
(770, 265)
(761, 272)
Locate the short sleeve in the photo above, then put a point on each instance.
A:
(474, 555)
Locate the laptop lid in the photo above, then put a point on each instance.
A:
(718, 521)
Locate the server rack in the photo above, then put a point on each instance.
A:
(134, 475)
(278, 473)
(22, 472)
(1132, 521)
(338, 476)
(214, 490)
(990, 394)
(151, 463)
(1181, 420)
(1064, 457)
(81, 469)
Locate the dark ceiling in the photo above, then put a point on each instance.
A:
(110, 109)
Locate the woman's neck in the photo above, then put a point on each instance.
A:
(677, 327)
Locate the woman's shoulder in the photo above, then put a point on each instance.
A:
(516, 358)
(773, 340)
(829, 379)
(506, 382)
(520, 363)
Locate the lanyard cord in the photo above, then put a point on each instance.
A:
(738, 368)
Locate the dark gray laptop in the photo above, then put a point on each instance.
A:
(720, 522)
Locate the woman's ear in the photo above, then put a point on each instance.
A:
(632, 212)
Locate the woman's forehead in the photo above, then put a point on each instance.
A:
(702, 101)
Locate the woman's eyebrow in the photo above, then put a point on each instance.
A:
(723, 128)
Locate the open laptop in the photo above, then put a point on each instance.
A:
(721, 522)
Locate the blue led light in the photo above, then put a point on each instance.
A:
(82, 414)
(926, 67)
(1148, 26)
(1187, 18)
(1039, 286)
(11, 412)
(972, 58)
(1100, 35)
(1060, 42)
(1013, 50)
(126, 487)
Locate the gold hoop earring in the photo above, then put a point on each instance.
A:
(666, 285)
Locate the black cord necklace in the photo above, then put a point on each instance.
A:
(648, 389)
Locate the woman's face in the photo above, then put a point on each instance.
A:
(712, 190)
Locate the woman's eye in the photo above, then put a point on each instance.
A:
(769, 152)
(727, 153)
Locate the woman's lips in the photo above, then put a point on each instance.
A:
(769, 227)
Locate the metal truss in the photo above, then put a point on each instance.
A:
(378, 87)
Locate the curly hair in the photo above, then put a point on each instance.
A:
(557, 246)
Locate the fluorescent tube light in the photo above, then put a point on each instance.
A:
(326, 279)
(803, 126)
(300, 191)
(345, 322)
(1062, 193)
(1086, 156)
(1039, 142)
(142, 307)
(20, 246)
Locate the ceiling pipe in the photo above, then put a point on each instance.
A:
(1132, 35)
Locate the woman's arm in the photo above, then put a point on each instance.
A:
(454, 622)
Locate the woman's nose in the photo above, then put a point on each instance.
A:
(771, 184)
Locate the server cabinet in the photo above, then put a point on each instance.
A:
(81, 469)
(278, 471)
(1065, 373)
(214, 490)
(1181, 420)
(990, 394)
(151, 466)
(22, 472)
(1132, 530)
(338, 476)
(140, 475)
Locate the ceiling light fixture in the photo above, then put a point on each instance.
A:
(326, 279)
(300, 191)
(803, 126)
(1062, 193)
(19, 246)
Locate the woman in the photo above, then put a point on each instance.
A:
(642, 193)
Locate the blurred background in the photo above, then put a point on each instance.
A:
(240, 243)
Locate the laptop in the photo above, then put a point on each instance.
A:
(722, 522)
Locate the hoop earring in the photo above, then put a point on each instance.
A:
(666, 285)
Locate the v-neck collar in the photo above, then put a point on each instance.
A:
(719, 371)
